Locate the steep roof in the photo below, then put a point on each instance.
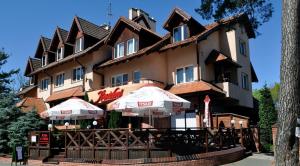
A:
(87, 28)
(32, 65)
(216, 56)
(132, 24)
(59, 35)
(43, 46)
(178, 13)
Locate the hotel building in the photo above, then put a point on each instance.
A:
(191, 60)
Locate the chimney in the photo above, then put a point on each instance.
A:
(135, 12)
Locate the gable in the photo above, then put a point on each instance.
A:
(74, 30)
(123, 33)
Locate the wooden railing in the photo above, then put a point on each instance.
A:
(144, 143)
(99, 144)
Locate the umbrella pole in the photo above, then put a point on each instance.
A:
(149, 118)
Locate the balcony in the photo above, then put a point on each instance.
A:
(232, 90)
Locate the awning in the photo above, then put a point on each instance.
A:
(218, 57)
(106, 95)
(26, 90)
(72, 92)
(30, 103)
(196, 86)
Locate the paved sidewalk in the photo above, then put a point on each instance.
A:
(255, 159)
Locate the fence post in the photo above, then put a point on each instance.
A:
(127, 143)
(94, 156)
(242, 141)
(221, 138)
(148, 144)
(206, 140)
(65, 132)
(109, 145)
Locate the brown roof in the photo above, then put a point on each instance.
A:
(30, 103)
(209, 29)
(196, 86)
(63, 33)
(26, 89)
(46, 43)
(253, 74)
(218, 57)
(132, 24)
(32, 65)
(72, 92)
(70, 57)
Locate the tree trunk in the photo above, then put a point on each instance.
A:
(287, 144)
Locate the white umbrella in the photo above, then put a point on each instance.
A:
(150, 101)
(73, 108)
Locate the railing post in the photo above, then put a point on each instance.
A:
(148, 144)
(94, 156)
(79, 143)
(109, 145)
(221, 138)
(65, 133)
(127, 143)
(242, 142)
(233, 136)
(206, 140)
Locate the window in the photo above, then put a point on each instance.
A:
(136, 77)
(185, 74)
(44, 84)
(132, 46)
(242, 47)
(60, 78)
(79, 45)
(59, 54)
(44, 60)
(245, 81)
(119, 50)
(180, 33)
(121, 79)
(31, 80)
(77, 74)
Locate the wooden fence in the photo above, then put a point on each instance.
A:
(39, 144)
(119, 144)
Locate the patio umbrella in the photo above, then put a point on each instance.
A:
(73, 109)
(150, 101)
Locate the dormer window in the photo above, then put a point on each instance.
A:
(132, 46)
(180, 33)
(119, 50)
(59, 54)
(44, 60)
(79, 45)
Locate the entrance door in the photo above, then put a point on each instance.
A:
(181, 123)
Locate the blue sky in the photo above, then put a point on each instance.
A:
(23, 22)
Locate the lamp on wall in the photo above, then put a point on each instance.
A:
(95, 123)
(205, 122)
(241, 123)
(50, 126)
(232, 123)
(67, 124)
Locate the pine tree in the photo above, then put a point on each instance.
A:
(8, 111)
(259, 11)
(18, 130)
(267, 117)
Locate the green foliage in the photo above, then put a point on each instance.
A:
(115, 119)
(18, 130)
(258, 11)
(5, 77)
(86, 97)
(256, 94)
(84, 123)
(267, 116)
(275, 92)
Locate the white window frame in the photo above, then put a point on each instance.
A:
(43, 81)
(81, 44)
(133, 78)
(44, 60)
(61, 55)
(31, 80)
(56, 80)
(117, 50)
(81, 77)
(118, 75)
(181, 32)
(184, 74)
(134, 46)
(245, 82)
